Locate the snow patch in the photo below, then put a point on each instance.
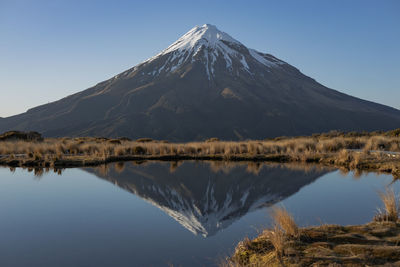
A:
(257, 56)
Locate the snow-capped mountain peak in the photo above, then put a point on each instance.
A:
(212, 47)
(207, 35)
(205, 85)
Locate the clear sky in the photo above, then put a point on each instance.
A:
(51, 49)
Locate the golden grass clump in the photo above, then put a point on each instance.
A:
(277, 238)
(284, 220)
(284, 228)
(344, 156)
(391, 206)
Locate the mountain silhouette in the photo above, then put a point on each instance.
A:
(206, 84)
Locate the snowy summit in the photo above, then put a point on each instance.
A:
(207, 35)
(206, 44)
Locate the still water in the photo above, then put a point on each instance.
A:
(160, 213)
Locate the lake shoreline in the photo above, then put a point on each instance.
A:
(375, 162)
(285, 244)
(370, 244)
(376, 151)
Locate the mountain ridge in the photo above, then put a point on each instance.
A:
(206, 84)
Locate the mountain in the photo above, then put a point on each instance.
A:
(206, 84)
(204, 200)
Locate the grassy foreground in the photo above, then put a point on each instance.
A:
(374, 244)
(378, 151)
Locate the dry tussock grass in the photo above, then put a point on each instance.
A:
(284, 228)
(285, 221)
(391, 206)
(294, 146)
(277, 237)
(339, 148)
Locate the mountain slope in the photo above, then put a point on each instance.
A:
(206, 84)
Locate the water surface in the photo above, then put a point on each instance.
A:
(155, 214)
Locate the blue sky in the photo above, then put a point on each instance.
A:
(51, 49)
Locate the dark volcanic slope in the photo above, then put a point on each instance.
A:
(206, 84)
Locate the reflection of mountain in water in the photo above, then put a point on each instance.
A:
(205, 200)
